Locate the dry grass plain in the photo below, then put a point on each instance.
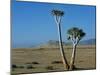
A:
(47, 59)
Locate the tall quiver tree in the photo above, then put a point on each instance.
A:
(75, 35)
(57, 16)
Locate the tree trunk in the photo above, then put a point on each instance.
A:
(66, 66)
(73, 58)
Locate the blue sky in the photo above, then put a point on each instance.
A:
(33, 23)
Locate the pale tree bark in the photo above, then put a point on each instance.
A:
(73, 57)
(58, 21)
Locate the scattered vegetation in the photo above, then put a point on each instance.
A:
(82, 59)
(20, 66)
(57, 62)
(49, 68)
(14, 66)
(14, 74)
(17, 66)
(30, 67)
(35, 62)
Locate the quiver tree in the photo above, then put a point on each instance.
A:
(57, 16)
(75, 35)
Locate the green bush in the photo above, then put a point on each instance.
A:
(49, 68)
(21, 67)
(30, 67)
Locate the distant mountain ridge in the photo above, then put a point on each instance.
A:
(56, 43)
(84, 42)
(88, 42)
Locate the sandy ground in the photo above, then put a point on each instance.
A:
(33, 60)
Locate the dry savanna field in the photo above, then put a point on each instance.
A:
(47, 59)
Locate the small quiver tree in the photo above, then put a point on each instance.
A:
(75, 35)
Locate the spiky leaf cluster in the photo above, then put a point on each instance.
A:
(75, 34)
(57, 13)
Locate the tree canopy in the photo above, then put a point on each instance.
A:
(57, 12)
(75, 34)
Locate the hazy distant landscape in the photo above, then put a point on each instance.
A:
(91, 41)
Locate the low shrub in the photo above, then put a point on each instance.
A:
(20, 66)
(57, 62)
(35, 62)
(30, 67)
(14, 66)
(49, 67)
